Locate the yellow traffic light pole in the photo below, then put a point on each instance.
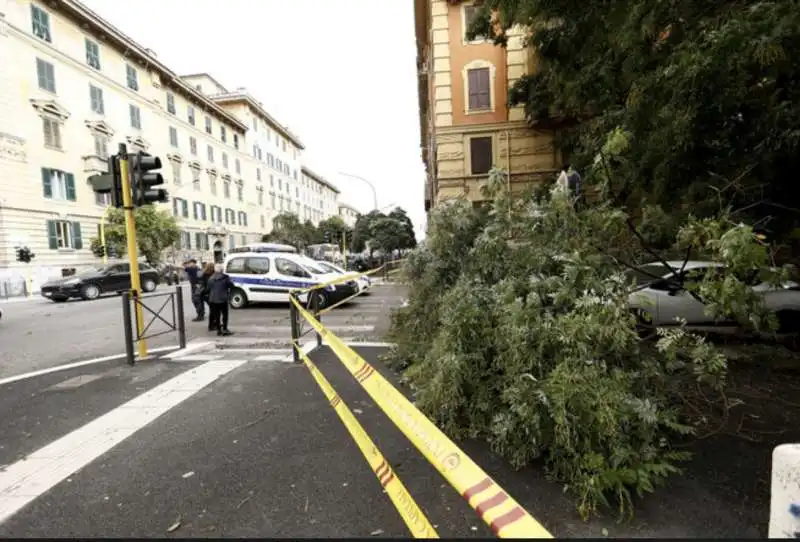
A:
(103, 234)
(130, 234)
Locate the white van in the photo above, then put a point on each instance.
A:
(267, 277)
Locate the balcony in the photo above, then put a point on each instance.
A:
(94, 164)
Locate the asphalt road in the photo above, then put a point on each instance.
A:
(255, 450)
(39, 334)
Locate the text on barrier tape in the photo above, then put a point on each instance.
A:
(412, 515)
(498, 509)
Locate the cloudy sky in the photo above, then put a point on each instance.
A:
(340, 74)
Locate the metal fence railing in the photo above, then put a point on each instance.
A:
(16, 287)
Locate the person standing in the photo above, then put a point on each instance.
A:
(219, 294)
(201, 298)
(193, 274)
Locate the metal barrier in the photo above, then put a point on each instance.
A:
(177, 323)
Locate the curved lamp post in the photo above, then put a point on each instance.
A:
(372, 186)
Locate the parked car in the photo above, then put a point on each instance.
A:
(95, 282)
(270, 276)
(172, 274)
(666, 299)
(363, 281)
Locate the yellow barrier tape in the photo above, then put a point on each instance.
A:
(503, 514)
(337, 280)
(412, 515)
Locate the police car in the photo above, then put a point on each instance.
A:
(268, 277)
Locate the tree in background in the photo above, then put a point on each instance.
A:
(378, 231)
(287, 229)
(156, 231)
(332, 229)
(705, 92)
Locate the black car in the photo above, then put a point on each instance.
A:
(91, 284)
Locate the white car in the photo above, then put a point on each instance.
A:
(270, 276)
(363, 281)
(665, 300)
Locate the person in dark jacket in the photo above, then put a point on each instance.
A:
(219, 294)
(200, 294)
(193, 274)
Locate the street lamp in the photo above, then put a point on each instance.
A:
(372, 186)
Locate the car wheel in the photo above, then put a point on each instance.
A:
(90, 291)
(238, 299)
(322, 300)
(149, 285)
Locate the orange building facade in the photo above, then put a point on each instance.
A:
(466, 125)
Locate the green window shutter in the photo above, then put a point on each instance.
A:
(70, 181)
(188, 241)
(77, 240)
(47, 183)
(52, 237)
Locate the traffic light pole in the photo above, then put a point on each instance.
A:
(103, 234)
(130, 234)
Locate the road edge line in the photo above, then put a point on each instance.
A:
(73, 365)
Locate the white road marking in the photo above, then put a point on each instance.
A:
(199, 357)
(65, 367)
(192, 346)
(27, 479)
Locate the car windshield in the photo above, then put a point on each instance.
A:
(328, 267)
(314, 268)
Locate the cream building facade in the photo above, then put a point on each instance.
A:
(349, 214)
(320, 199)
(72, 88)
(465, 123)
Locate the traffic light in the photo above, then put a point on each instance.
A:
(144, 179)
(327, 236)
(20, 254)
(109, 183)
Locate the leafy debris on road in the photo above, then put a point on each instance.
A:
(175, 526)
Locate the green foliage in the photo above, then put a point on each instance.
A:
(386, 233)
(518, 331)
(156, 231)
(287, 229)
(707, 91)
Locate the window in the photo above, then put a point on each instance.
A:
(290, 269)
(237, 265)
(184, 208)
(96, 100)
(104, 200)
(41, 23)
(176, 172)
(193, 145)
(173, 136)
(478, 82)
(257, 266)
(208, 125)
(255, 124)
(45, 72)
(236, 141)
(195, 179)
(480, 150)
(170, 103)
(52, 133)
(136, 117)
(199, 211)
(230, 216)
(239, 167)
(100, 145)
(242, 218)
(261, 197)
(92, 54)
(263, 221)
(190, 115)
(240, 192)
(223, 135)
(225, 160)
(210, 153)
(132, 77)
(186, 240)
(201, 241)
(58, 185)
(226, 189)
(64, 234)
(212, 182)
(258, 172)
(469, 15)
(272, 197)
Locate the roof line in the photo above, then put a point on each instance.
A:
(255, 104)
(80, 11)
(319, 178)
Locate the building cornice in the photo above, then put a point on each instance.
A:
(241, 97)
(130, 49)
(319, 178)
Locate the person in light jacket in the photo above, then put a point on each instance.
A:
(219, 288)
